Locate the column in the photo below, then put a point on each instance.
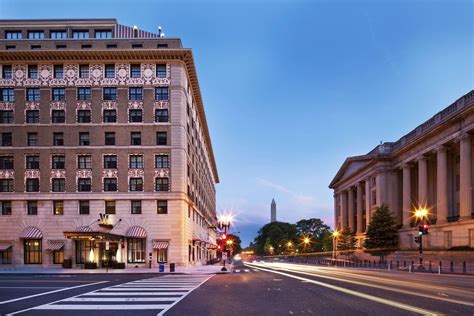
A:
(465, 198)
(336, 217)
(442, 185)
(422, 182)
(350, 209)
(359, 207)
(406, 207)
(343, 205)
(367, 202)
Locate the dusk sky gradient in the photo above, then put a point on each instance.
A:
(291, 88)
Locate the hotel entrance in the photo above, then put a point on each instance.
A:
(107, 258)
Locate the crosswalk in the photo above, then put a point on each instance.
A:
(157, 294)
(244, 270)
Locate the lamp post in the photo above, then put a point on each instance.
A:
(335, 234)
(420, 215)
(224, 222)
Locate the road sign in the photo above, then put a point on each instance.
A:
(107, 245)
(224, 256)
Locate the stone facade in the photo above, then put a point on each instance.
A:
(431, 167)
(165, 183)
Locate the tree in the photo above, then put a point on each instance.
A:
(276, 235)
(236, 247)
(316, 230)
(347, 241)
(382, 237)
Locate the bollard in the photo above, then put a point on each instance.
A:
(440, 267)
(409, 268)
(464, 268)
(412, 264)
(451, 267)
(430, 269)
(389, 265)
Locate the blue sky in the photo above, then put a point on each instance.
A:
(293, 87)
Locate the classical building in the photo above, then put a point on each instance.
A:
(432, 167)
(105, 153)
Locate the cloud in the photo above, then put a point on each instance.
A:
(299, 198)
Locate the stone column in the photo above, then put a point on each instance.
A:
(367, 202)
(336, 213)
(359, 207)
(406, 207)
(422, 182)
(343, 205)
(350, 209)
(442, 185)
(465, 197)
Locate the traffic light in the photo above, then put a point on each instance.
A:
(423, 229)
(224, 237)
(418, 240)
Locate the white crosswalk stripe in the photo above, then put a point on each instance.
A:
(158, 294)
(244, 270)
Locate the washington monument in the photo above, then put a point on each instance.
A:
(273, 211)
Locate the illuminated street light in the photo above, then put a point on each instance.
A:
(421, 215)
(335, 234)
(224, 221)
(289, 244)
(229, 242)
(306, 240)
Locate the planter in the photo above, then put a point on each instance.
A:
(118, 265)
(67, 263)
(90, 265)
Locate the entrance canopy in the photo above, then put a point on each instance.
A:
(31, 233)
(92, 235)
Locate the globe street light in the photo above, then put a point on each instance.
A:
(335, 234)
(421, 215)
(224, 221)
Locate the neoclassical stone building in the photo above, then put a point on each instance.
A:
(432, 166)
(105, 152)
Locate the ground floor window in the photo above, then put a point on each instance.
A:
(6, 256)
(162, 255)
(83, 248)
(32, 251)
(58, 256)
(136, 250)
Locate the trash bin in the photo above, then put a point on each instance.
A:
(171, 267)
(162, 267)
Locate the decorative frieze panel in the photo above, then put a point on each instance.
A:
(96, 73)
(45, 73)
(136, 173)
(110, 173)
(109, 105)
(84, 173)
(84, 105)
(32, 173)
(163, 81)
(7, 174)
(7, 106)
(162, 173)
(135, 105)
(161, 104)
(7, 83)
(57, 105)
(148, 73)
(71, 74)
(19, 74)
(32, 105)
(122, 72)
(58, 173)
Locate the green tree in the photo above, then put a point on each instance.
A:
(276, 235)
(315, 230)
(236, 243)
(382, 237)
(347, 241)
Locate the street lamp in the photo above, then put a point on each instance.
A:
(224, 222)
(335, 234)
(421, 215)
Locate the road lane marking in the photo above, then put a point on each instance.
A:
(237, 270)
(49, 292)
(32, 287)
(120, 299)
(112, 289)
(377, 299)
(101, 307)
(246, 270)
(134, 294)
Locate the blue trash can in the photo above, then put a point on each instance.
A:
(162, 267)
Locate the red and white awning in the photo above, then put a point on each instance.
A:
(54, 245)
(5, 246)
(31, 233)
(158, 244)
(136, 232)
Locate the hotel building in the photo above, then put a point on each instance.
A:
(105, 152)
(432, 166)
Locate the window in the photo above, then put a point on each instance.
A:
(84, 162)
(161, 71)
(32, 139)
(110, 162)
(32, 116)
(84, 71)
(58, 72)
(6, 116)
(35, 47)
(32, 251)
(83, 116)
(136, 250)
(86, 46)
(58, 207)
(109, 46)
(6, 256)
(136, 184)
(13, 35)
(7, 72)
(32, 185)
(58, 162)
(110, 116)
(32, 94)
(135, 138)
(10, 47)
(33, 71)
(162, 184)
(58, 116)
(58, 139)
(61, 46)
(6, 162)
(84, 139)
(109, 207)
(136, 46)
(135, 93)
(136, 207)
(110, 184)
(161, 115)
(6, 139)
(110, 93)
(134, 116)
(103, 34)
(6, 207)
(161, 138)
(84, 185)
(59, 185)
(135, 71)
(84, 93)
(161, 93)
(6, 185)
(32, 208)
(32, 162)
(35, 34)
(80, 34)
(58, 256)
(59, 94)
(162, 255)
(83, 248)
(162, 161)
(162, 207)
(8, 95)
(84, 207)
(58, 34)
(136, 162)
(109, 138)
(109, 71)
(161, 46)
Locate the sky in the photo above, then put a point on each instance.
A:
(293, 87)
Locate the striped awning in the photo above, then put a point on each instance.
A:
(5, 246)
(83, 229)
(54, 245)
(136, 232)
(31, 233)
(157, 244)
